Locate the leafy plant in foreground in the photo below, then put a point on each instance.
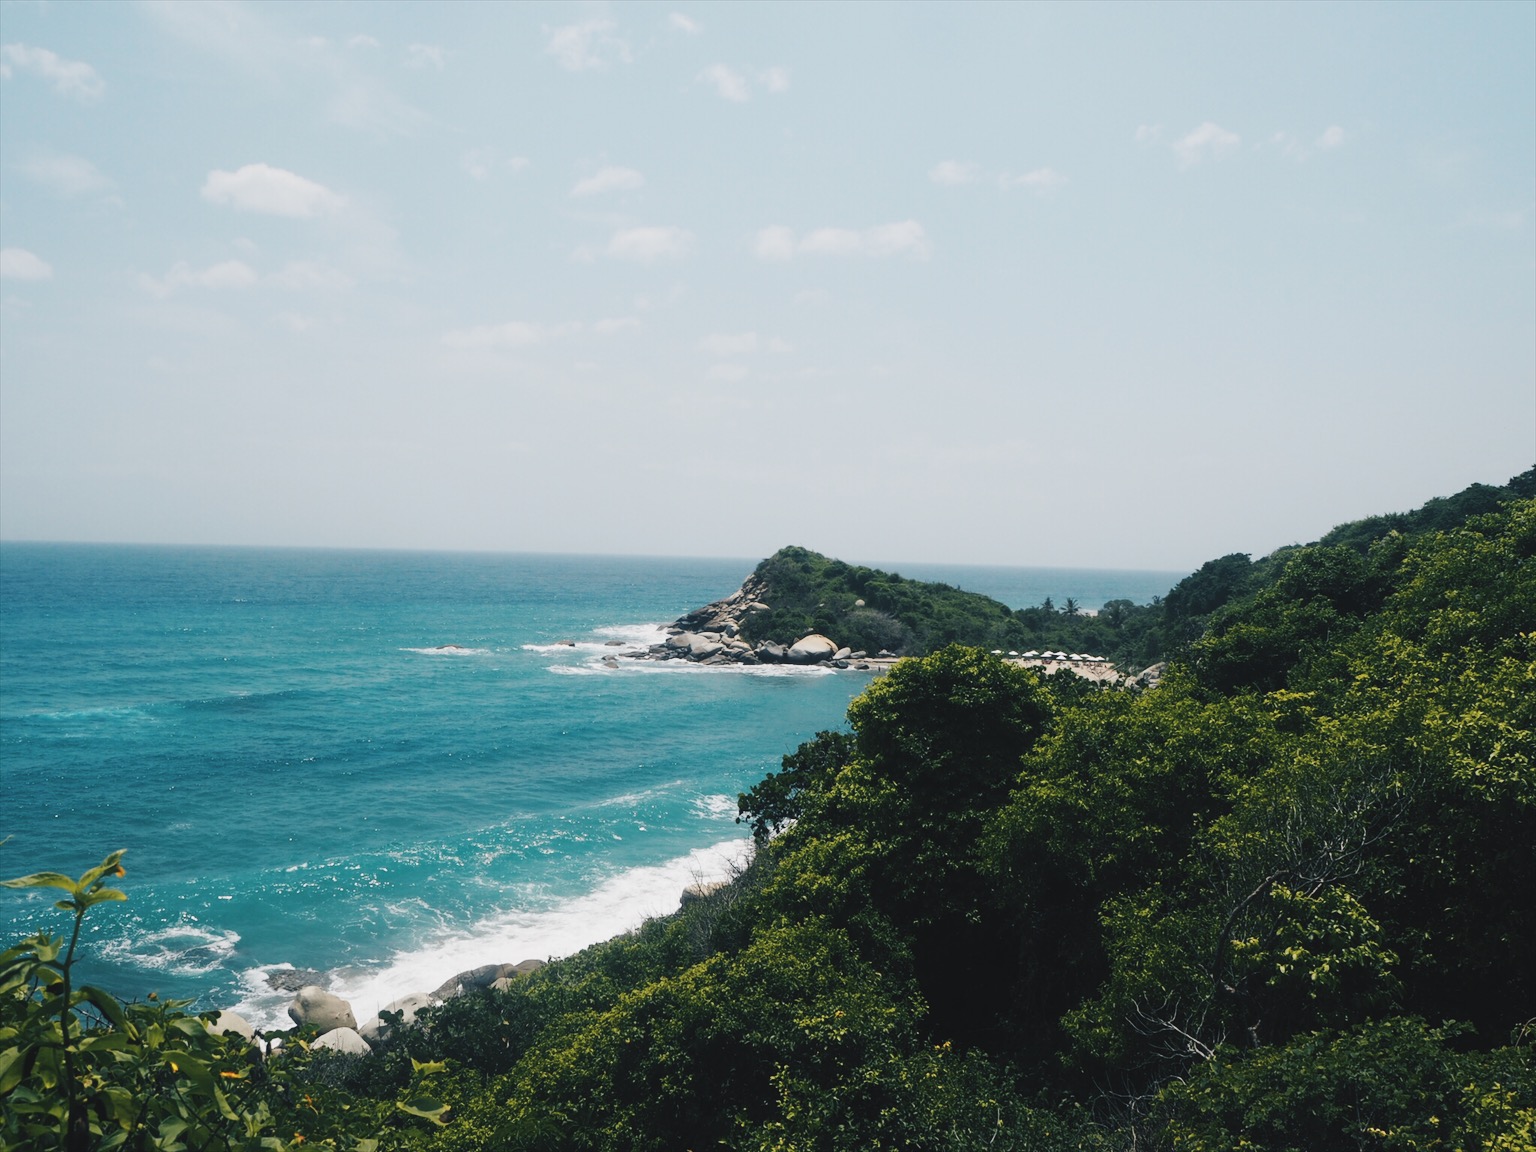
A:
(81, 1070)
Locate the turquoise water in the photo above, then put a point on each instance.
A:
(303, 776)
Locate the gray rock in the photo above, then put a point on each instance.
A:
(680, 640)
(481, 977)
(811, 649)
(315, 1007)
(292, 979)
(770, 653)
(376, 1031)
(613, 643)
(702, 648)
(696, 892)
(842, 654)
(231, 1022)
(343, 1040)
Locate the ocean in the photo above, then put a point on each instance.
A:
(304, 776)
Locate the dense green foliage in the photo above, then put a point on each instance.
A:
(1346, 574)
(1281, 901)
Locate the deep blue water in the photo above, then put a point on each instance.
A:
(302, 776)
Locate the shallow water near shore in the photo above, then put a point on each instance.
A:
(388, 767)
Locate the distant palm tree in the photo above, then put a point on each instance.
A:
(1069, 608)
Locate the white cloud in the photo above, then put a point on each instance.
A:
(1149, 133)
(904, 238)
(730, 85)
(20, 264)
(1293, 146)
(311, 276)
(609, 180)
(727, 346)
(253, 39)
(779, 345)
(1041, 180)
(777, 243)
(226, 274)
(832, 242)
(362, 40)
(512, 334)
(483, 163)
(585, 46)
(66, 175)
(1208, 140)
(68, 77)
(954, 172)
(684, 24)
(775, 79)
(272, 191)
(728, 373)
(650, 244)
(617, 324)
(812, 297)
(426, 56)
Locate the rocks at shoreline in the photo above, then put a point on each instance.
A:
(712, 635)
(314, 1007)
(292, 979)
(333, 1017)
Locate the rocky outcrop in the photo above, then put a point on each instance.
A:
(713, 635)
(317, 1008)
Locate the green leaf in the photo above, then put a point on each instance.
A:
(108, 1005)
(42, 880)
(10, 1070)
(424, 1107)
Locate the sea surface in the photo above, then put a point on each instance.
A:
(305, 774)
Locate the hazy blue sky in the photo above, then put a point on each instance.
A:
(1113, 285)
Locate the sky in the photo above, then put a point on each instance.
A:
(1125, 286)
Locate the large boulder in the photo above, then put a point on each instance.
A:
(484, 977)
(770, 653)
(375, 1031)
(343, 1040)
(811, 649)
(223, 1022)
(315, 1007)
(702, 647)
(700, 891)
(680, 640)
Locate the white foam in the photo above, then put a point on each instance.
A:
(688, 667)
(617, 905)
(449, 650)
(185, 948)
(716, 805)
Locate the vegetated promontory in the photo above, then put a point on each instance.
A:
(1280, 901)
(797, 592)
